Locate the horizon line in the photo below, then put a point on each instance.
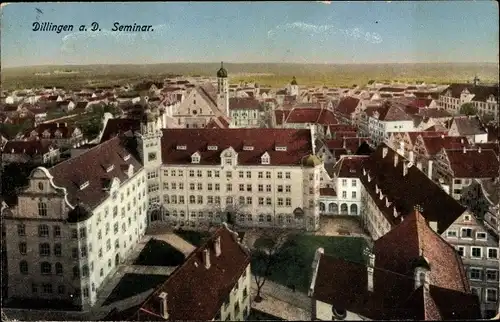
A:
(246, 63)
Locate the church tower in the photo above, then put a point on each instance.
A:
(293, 88)
(222, 90)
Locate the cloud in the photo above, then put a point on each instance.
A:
(354, 33)
(324, 2)
(76, 40)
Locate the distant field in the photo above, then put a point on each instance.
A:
(270, 74)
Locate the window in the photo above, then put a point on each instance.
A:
(199, 173)
(288, 202)
(280, 202)
(491, 295)
(23, 267)
(57, 231)
(492, 275)
(268, 201)
(242, 187)
(21, 230)
(249, 187)
(229, 187)
(268, 174)
(229, 174)
(475, 274)
(76, 272)
(59, 269)
(23, 248)
(344, 182)
(288, 188)
(344, 194)
(43, 231)
(280, 188)
(481, 235)
(353, 195)
(353, 183)
(249, 200)
(476, 252)
(209, 187)
(240, 174)
(45, 268)
(492, 253)
(260, 175)
(466, 233)
(44, 249)
(47, 288)
(249, 174)
(83, 231)
(461, 251)
(452, 233)
(60, 289)
(42, 209)
(287, 175)
(476, 291)
(268, 188)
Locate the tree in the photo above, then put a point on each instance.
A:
(266, 252)
(468, 109)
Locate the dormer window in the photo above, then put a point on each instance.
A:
(212, 148)
(265, 159)
(195, 158)
(84, 185)
(126, 158)
(181, 147)
(247, 148)
(110, 168)
(280, 148)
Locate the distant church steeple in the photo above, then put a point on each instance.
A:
(222, 90)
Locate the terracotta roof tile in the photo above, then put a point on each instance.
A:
(298, 143)
(473, 163)
(327, 192)
(347, 106)
(195, 292)
(413, 135)
(434, 144)
(489, 146)
(92, 166)
(349, 166)
(393, 112)
(116, 127)
(310, 115)
(51, 128)
(30, 147)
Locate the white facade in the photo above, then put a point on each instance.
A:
(379, 130)
(50, 258)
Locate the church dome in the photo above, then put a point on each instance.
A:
(222, 72)
(311, 161)
(294, 81)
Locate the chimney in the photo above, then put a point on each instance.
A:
(163, 305)
(217, 246)
(462, 141)
(442, 136)
(206, 258)
(370, 271)
(405, 169)
(479, 149)
(429, 169)
(395, 160)
(343, 144)
(384, 152)
(411, 156)
(381, 196)
(387, 203)
(464, 149)
(395, 212)
(376, 188)
(419, 165)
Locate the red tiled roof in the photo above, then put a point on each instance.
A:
(489, 146)
(310, 115)
(298, 143)
(393, 112)
(349, 166)
(473, 163)
(347, 106)
(327, 192)
(468, 125)
(434, 144)
(344, 284)
(30, 147)
(391, 89)
(413, 135)
(342, 127)
(195, 292)
(91, 166)
(236, 103)
(406, 192)
(118, 126)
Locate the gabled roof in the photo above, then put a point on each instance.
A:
(349, 166)
(344, 284)
(195, 292)
(306, 115)
(406, 192)
(92, 166)
(393, 112)
(53, 127)
(413, 135)
(347, 106)
(434, 144)
(468, 125)
(298, 143)
(473, 163)
(29, 147)
(480, 92)
(116, 127)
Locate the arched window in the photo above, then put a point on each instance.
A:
(43, 231)
(354, 209)
(59, 269)
(85, 271)
(269, 218)
(333, 208)
(321, 206)
(343, 209)
(23, 267)
(280, 218)
(174, 213)
(249, 217)
(261, 218)
(182, 213)
(45, 268)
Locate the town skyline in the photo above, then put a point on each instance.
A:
(367, 33)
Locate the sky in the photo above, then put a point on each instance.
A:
(331, 32)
